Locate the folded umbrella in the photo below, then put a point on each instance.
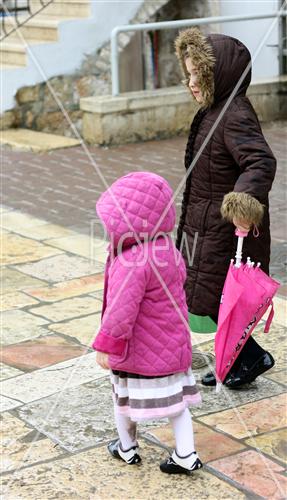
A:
(247, 294)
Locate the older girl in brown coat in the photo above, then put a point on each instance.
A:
(232, 172)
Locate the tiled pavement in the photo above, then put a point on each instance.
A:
(56, 406)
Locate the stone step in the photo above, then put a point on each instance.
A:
(29, 140)
(13, 54)
(70, 8)
(38, 28)
(6, 67)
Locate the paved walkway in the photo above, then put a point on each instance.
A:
(56, 406)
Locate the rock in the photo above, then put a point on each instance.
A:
(28, 94)
(7, 120)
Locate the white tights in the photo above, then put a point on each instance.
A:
(181, 425)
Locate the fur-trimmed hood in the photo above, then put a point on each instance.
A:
(220, 61)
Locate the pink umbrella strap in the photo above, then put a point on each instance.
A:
(269, 319)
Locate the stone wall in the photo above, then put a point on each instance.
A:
(40, 107)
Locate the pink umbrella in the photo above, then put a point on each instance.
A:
(247, 294)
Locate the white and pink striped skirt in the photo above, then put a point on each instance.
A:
(143, 398)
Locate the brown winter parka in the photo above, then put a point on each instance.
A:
(236, 160)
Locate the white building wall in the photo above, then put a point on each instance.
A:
(255, 33)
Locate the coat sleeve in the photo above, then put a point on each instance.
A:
(126, 289)
(245, 142)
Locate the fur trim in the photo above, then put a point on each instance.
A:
(243, 207)
(192, 43)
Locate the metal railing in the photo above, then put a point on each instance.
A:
(11, 9)
(171, 25)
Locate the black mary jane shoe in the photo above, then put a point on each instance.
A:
(129, 456)
(208, 379)
(246, 375)
(172, 465)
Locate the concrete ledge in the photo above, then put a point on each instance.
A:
(132, 101)
(162, 113)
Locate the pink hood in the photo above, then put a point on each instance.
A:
(143, 197)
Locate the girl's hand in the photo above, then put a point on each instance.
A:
(242, 225)
(103, 360)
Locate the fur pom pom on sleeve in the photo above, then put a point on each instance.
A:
(242, 206)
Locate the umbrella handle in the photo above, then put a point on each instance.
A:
(241, 235)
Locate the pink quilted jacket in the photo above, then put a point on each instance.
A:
(144, 321)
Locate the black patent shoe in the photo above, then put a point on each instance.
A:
(177, 465)
(209, 379)
(246, 375)
(129, 456)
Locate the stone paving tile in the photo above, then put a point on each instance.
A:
(60, 268)
(4, 209)
(15, 221)
(20, 325)
(99, 294)
(280, 311)
(273, 443)
(21, 335)
(15, 300)
(213, 402)
(274, 342)
(17, 447)
(280, 376)
(250, 419)
(91, 248)
(69, 308)
(95, 475)
(209, 444)
(82, 329)
(45, 231)
(8, 403)
(13, 280)
(7, 371)
(54, 379)
(41, 352)
(68, 289)
(83, 415)
(17, 249)
(255, 472)
(198, 338)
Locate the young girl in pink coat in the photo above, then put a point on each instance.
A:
(144, 337)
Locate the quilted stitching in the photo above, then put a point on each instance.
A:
(138, 308)
(143, 197)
